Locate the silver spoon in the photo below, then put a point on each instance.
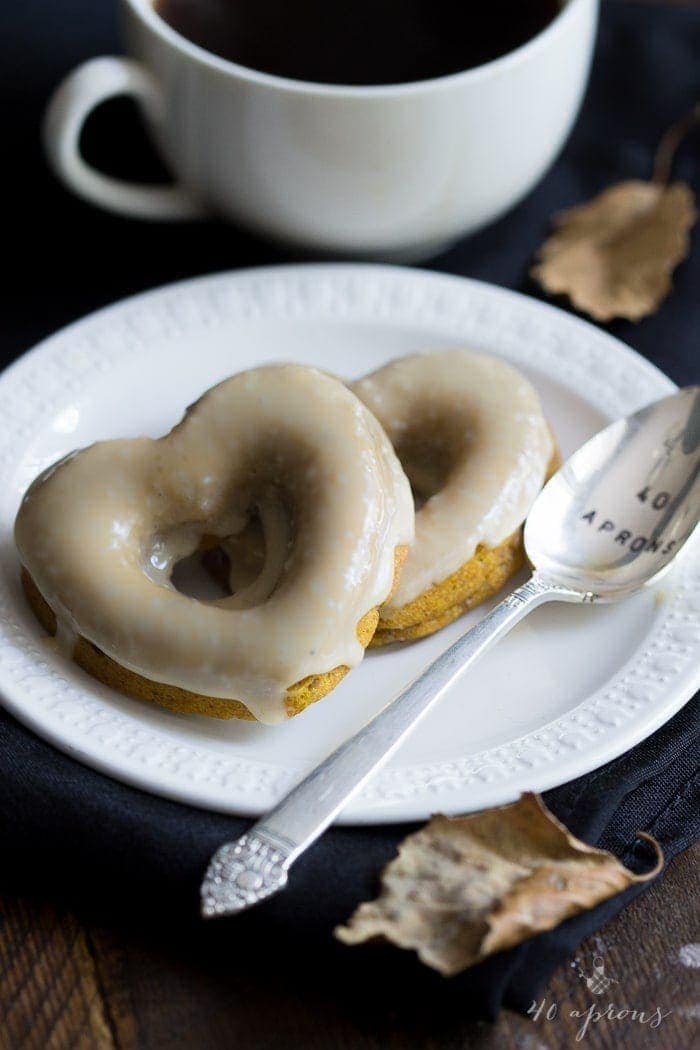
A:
(608, 523)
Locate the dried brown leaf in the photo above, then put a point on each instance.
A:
(614, 256)
(463, 888)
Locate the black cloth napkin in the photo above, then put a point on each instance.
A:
(129, 854)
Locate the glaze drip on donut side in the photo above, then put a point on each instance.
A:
(470, 434)
(101, 533)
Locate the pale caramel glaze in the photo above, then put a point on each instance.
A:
(470, 433)
(100, 532)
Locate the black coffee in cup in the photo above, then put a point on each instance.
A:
(358, 41)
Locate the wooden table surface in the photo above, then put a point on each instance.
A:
(69, 980)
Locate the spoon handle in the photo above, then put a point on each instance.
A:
(244, 872)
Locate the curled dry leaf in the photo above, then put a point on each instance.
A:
(463, 888)
(614, 256)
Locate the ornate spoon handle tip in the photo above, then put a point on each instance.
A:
(241, 874)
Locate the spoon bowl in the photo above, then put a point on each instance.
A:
(619, 510)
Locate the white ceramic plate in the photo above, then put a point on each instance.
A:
(569, 689)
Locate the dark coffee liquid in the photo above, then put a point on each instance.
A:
(358, 41)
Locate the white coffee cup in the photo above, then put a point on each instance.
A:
(394, 171)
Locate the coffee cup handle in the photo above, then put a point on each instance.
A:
(85, 88)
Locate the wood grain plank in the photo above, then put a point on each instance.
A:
(50, 997)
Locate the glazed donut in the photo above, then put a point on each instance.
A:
(100, 533)
(470, 434)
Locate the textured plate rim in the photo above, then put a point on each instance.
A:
(640, 697)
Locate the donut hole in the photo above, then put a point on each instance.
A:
(221, 568)
(428, 450)
(228, 536)
(204, 574)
